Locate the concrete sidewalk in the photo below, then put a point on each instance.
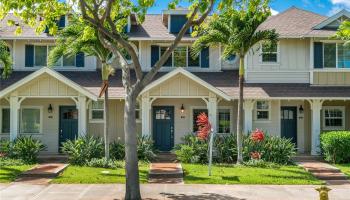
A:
(17, 191)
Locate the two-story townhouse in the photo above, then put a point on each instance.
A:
(296, 91)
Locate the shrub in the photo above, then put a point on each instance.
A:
(117, 150)
(335, 146)
(26, 149)
(193, 150)
(5, 148)
(83, 149)
(145, 148)
(104, 163)
(225, 146)
(6, 161)
(273, 149)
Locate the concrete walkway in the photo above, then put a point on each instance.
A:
(18, 191)
(323, 171)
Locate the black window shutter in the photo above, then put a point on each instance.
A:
(205, 58)
(154, 54)
(318, 55)
(62, 22)
(29, 55)
(80, 59)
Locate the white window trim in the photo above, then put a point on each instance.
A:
(47, 58)
(172, 58)
(41, 119)
(91, 120)
(256, 112)
(269, 63)
(330, 128)
(3, 107)
(218, 108)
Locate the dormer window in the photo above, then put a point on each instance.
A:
(175, 19)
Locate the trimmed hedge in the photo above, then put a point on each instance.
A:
(335, 146)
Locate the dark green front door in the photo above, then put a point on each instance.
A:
(68, 129)
(289, 123)
(163, 127)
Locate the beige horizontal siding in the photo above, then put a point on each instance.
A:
(332, 78)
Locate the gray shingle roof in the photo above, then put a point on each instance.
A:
(226, 81)
(295, 23)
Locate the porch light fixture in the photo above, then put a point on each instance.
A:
(50, 109)
(301, 109)
(182, 108)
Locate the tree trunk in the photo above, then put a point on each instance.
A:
(132, 191)
(240, 112)
(106, 120)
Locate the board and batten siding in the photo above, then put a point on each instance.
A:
(19, 56)
(293, 64)
(340, 78)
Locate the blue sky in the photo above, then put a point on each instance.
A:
(324, 7)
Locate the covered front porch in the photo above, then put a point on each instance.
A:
(170, 105)
(47, 106)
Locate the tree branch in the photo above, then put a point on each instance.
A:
(205, 15)
(108, 10)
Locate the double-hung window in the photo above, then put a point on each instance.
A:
(262, 110)
(180, 57)
(334, 117)
(269, 52)
(97, 111)
(336, 55)
(224, 121)
(30, 120)
(5, 120)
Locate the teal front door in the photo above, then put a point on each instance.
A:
(68, 128)
(163, 127)
(289, 123)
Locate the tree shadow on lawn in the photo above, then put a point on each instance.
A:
(9, 174)
(203, 196)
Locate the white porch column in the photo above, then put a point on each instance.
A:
(316, 107)
(212, 110)
(14, 108)
(248, 107)
(145, 115)
(82, 128)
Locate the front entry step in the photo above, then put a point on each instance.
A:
(165, 169)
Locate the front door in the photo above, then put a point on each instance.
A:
(289, 123)
(163, 127)
(68, 129)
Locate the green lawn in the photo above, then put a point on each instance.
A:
(345, 168)
(87, 175)
(230, 174)
(9, 173)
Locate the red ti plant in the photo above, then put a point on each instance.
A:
(257, 135)
(204, 126)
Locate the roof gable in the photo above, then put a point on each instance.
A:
(49, 72)
(189, 75)
(334, 21)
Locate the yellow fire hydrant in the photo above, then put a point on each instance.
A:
(323, 190)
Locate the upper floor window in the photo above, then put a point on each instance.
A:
(334, 117)
(269, 52)
(262, 110)
(180, 57)
(37, 56)
(331, 55)
(97, 111)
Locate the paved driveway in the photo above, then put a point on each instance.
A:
(163, 191)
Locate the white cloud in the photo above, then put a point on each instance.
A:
(335, 9)
(346, 3)
(274, 12)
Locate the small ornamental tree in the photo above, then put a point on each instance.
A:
(204, 126)
(5, 60)
(108, 19)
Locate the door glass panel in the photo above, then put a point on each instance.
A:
(70, 114)
(291, 115)
(163, 114)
